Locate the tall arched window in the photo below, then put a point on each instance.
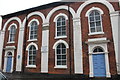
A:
(33, 30)
(32, 55)
(12, 33)
(61, 26)
(61, 55)
(95, 21)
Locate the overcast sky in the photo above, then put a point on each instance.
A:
(10, 6)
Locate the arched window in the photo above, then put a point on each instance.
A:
(98, 49)
(12, 33)
(61, 55)
(32, 55)
(9, 54)
(95, 21)
(33, 30)
(61, 26)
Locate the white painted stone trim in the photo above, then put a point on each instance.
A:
(59, 8)
(20, 47)
(104, 46)
(45, 50)
(94, 8)
(29, 24)
(9, 20)
(78, 58)
(12, 25)
(104, 2)
(34, 44)
(5, 58)
(38, 14)
(114, 17)
(60, 14)
(60, 41)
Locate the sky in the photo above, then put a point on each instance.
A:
(11, 6)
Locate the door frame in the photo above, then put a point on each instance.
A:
(101, 42)
(8, 49)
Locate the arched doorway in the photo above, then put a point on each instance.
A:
(9, 62)
(99, 68)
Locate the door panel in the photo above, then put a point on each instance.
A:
(99, 68)
(9, 62)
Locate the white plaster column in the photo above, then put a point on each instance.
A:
(119, 44)
(91, 65)
(114, 16)
(78, 62)
(107, 65)
(45, 48)
(20, 47)
(2, 34)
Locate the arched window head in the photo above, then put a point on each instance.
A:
(33, 30)
(9, 54)
(12, 33)
(61, 55)
(61, 26)
(32, 55)
(95, 21)
(98, 49)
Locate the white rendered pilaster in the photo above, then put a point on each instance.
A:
(2, 34)
(78, 62)
(44, 49)
(114, 16)
(20, 47)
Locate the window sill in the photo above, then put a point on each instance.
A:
(61, 67)
(31, 66)
(32, 40)
(57, 37)
(96, 33)
(10, 42)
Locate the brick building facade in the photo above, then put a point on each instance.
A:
(62, 38)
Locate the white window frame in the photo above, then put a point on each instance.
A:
(55, 47)
(27, 49)
(87, 15)
(55, 20)
(13, 24)
(29, 25)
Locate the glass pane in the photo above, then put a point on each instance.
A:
(30, 62)
(96, 12)
(63, 56)
(58, 23)
(91, 19)
(63, 22)
(92, 29)
(97, 18)
(98, 23)
(92, 24)
(98, 29)
(59, 57)
(63, 51)
(58, 62)
(64, 62)
(58, 51)
(58, 33)
(91, 14)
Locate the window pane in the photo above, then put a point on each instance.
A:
(58, 51)
(98, 29)
(59, 57)
(92, 29)
(97, 18)
(96, 12)
(92, 24)
(98, 23)
(63, 56)
(58, 62)
(64, 62)
(91, 19)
